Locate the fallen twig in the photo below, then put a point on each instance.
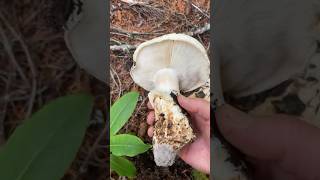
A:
(123, 47)
(199, 31)
(27, 96)
(133, 2)
(7, 46)
(113, 72)
(30, 62)
(128, 47)
(139, 108)
(127, 35)
(133, 33)
(200, 10)
(94, 148)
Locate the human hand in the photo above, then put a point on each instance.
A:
(196, 154)
(279, 146)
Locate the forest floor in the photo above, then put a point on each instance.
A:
(134, 22)
(25, 86)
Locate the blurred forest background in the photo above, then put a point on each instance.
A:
(36, 67)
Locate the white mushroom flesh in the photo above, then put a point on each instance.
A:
(165, 66)
(172, 129)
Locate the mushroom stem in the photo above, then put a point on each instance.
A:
(167, 115)
(172, 130)
(166, 81)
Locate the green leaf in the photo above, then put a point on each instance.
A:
(44, 146)
(127, 145)
(197, 175)
(122, 166)
(121, 111)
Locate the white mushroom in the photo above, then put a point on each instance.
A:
(165, 66)
(86, 35)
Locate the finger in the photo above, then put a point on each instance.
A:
(150, 118)
(278, 138)
(150, 131)
(149, 105)
(197, 155)
(201, 126)
(184, 152)
(246, 134)
(199, 110)
(195, 106)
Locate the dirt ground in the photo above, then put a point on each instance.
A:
(28, 85)
(132, 24)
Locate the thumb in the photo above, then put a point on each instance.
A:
(280, 138)
(195, 106)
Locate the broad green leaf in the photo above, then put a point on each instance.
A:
(122, 166)
(44, 146)
(127, 145)
(121, 111)
(197, 175)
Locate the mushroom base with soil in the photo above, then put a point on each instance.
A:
(172, 129)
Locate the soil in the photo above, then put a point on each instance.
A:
(40, 25)
(132, 24)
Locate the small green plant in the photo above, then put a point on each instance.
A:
(122, 145)
(197, 175)
(44, 146)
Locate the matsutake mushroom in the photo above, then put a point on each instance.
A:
(165, 66)
(85, 36)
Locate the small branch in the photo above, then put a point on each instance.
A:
(94, 147)
(113, 72)
(133, 2)
(139, 108)
(123, 47)
(127, 35)
(200, 10)
(128, 47)
(197, 8)
(11, 56)
(30, 62)
(133, 33)
(199, 31)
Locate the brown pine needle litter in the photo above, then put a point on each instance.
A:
(36, 67)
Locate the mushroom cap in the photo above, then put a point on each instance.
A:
(180, 52)
(85, 37)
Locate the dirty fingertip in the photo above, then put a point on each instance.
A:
(150, 131)
(182, 100)
(150, 118)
